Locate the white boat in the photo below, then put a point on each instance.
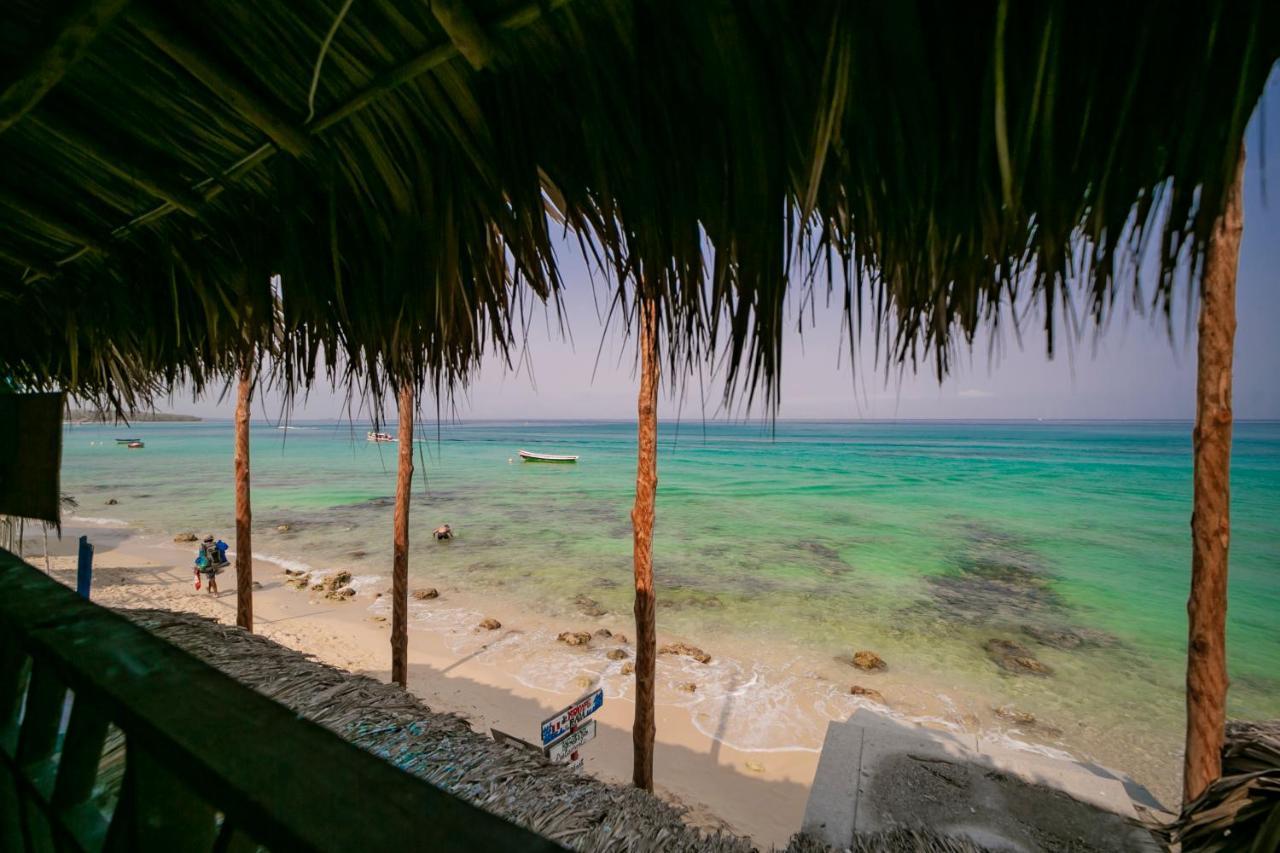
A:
(527, 456)
(381, 436)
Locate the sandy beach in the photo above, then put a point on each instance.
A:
(749, 793)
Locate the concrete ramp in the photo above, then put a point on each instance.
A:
(876, 773)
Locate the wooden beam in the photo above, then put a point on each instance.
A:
(244, 510)
(400, 542)
(464, 31)
(642, 514)
(116, 161)
(85, 23)
(1207, 678)
(221, 81)
(50, 220)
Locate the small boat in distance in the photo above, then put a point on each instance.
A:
(127, 440)
(135, 445)
(545, 457)
(381, 436)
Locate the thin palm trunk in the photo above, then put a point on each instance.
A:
(400, 544)
(244, 513)
(642, 732)
(1211, 515)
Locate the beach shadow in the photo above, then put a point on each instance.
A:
(722, 725)
(699, 781)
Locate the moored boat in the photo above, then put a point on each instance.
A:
(135, 445)
(381, 436)
(529, 456)
(127, 440)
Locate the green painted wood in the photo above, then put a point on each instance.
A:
(283, 782)
(13, 685)
(38, 736)
(81, 752)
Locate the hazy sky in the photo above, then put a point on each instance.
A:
(1133, 371)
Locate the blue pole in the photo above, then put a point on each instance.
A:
(84, 569)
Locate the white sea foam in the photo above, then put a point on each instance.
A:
(97, 522)
(283, 562)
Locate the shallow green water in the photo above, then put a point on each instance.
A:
(920, 540)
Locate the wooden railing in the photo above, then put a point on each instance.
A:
(112, 739)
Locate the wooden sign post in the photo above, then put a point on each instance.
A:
(564, 732)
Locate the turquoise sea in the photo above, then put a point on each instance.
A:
(781, 549)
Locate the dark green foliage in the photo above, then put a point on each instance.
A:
(924, 161)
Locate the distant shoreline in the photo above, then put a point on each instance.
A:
(84, 416)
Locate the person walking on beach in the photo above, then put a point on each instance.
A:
(207, 563)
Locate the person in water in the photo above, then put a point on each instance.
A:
(209, 562)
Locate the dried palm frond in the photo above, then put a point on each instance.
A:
(1241, 809)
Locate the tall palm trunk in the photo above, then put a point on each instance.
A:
(244, 514)
(400, 543)
(1211, 515)
(642, 732)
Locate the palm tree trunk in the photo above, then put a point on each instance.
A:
(400, 544)
(244, 513)
(1211, 514)
(642, 732)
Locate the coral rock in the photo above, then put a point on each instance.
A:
(685, 649)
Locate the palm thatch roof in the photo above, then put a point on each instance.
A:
(577, 811)
(401, 165)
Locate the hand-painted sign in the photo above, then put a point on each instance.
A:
(565, 747)
(559, 723)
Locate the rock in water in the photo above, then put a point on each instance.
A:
(257, 585)
(336, 586)
(603, 632)
(868, 692)
(687, 687)
(1050, 637)
(621, 638)
(589, 606)
(1012, 657)
(869, 661)
(490, 624)
(185, 537)
(426, 593)
(1013, 715)
(574, 638)
(282, 528)
(113, 502)
(628, 668)
(685, 649)
(616, 654)
(585, 682)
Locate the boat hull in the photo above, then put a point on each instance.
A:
(547, 457)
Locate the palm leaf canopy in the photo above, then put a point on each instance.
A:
(403, 166)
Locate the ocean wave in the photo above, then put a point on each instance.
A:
(97, 522)
(284, 562)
